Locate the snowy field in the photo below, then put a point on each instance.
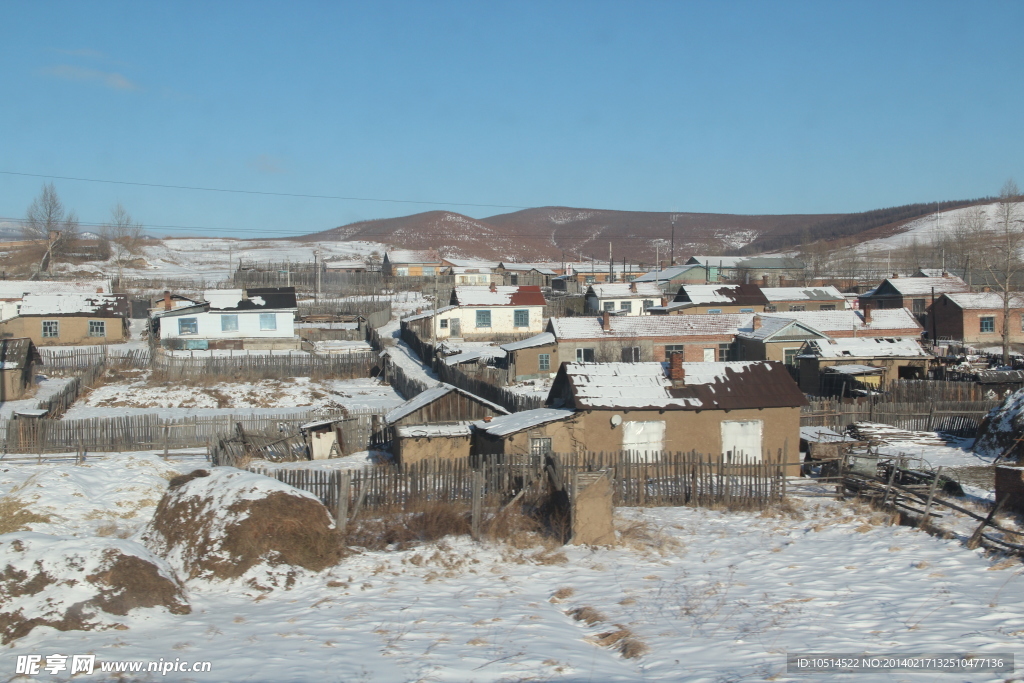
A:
(927, 228)
(705, 596)
(298, 394)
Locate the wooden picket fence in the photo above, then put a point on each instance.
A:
(61, 361)
(639, 479)
(958, 418)
(248, 367)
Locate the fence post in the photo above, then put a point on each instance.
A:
(344, 489)
(931, 495)
(167, 438)
(478, 503)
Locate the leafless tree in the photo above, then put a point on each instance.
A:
(125, 236)
(47, 220)
(960, 241)
(1004, 261)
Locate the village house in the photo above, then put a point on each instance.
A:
(18, 361)
(623, 298)
(609, 338)
(529, 432)
(594, 272)
(69, 319)
(881, 359)
(12, 292)
(976, 319)
(256, 318)
(672, 278)
(768, 271)
(778, 339)
(713, 300)
(406, 263)
(723, 410)
(915, 293)
(803, 299)
(483, 313)
(469, 271)
(345, 266)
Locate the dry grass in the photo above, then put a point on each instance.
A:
(563, 593)
(15, 515)
(398, 528)
(622, 640)
(643, 536)
(586, 614)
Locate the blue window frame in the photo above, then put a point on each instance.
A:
(521, 317)
(483, 318)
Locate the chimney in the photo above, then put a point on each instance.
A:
(867, 312)
(757, 322)
(632, 287)
(494, 288)
(676, 372)
(167, 300)
(487, 418)
(99, 290)
(895, 275)
(782, 281)
(764, 280)
(664, 301)
(606, 321)
(945, 274)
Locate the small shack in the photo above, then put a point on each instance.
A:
(324, 438)
(413, 443)
(443, 404)
(18, 359)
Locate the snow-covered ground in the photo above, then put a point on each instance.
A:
(927, 228)
(43, 389)
(710, 595)
(297, 394)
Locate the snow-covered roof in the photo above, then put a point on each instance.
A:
(471, 263)
(823, 435)
(410, 256)
(625, 290)
(73, 304)
(432, 394)
(651, 326)
(771, 327)
(711, 294)
(255, 298)
(866, 347)
(517, 422)
(469, 355)
(224, 298)
(845, 320)
(721, 261)
(854, 369)
(332, 265)
(499, 295)
(431, 431)
(427, 314)
(705, 386)
(16, 289)
(802, 293)
(665, 274)
(909, 286)
(984, 300)
(542, 339)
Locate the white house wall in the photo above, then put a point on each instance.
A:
(248, 326)
(597, 305)
(502, 321)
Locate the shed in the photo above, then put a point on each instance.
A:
(440, 405)
(18, 359)
(416, 442)
(535, 432)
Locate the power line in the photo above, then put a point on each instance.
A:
(261, 192)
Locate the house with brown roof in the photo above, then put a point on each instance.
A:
(483, 313)
(724, 410)
(713, 300)
(976, 318)
(407, 263)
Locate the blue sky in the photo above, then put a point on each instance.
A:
(731, 107)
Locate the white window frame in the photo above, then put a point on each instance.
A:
(268, 322)
(100, 329)
(581, 354)
(224, 322)
(55, 325)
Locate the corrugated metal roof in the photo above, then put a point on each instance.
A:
(502, 295)
(517, 422)
(883, 319)
(864, 347)
(542, 339)
(432, 394)
(736, 295)
(725, 325)
(803, 294)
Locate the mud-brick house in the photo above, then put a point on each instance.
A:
(611, 338)
(914, 293)
(535, 357)
(713, 300)
(257, 318)
(434, 423)
(977, 318)
(623, 298)
(70, 319)
(778, 339)
(18, 360)
(484, 313)
(803, 299)
(529, 432)
(722, 410)
(894, 358)
(407, 263)
(13, 292)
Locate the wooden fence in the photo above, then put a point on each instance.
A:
(58, 404)
(248, 367)
(57, 361)
(959, 418)
(666, 479)
(150, 432)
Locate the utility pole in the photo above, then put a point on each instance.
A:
(230, 259)
(611, 264)
(319, 267)
(288, 272)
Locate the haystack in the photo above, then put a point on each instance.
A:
(72, 583)
(1002, 428)
(218, 524)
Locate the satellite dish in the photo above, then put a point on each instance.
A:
(616, 420)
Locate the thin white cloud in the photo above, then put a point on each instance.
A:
(265, 163)
(70, 72)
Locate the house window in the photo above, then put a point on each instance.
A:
(402, 271)
(798, 307)
(746, 310)
(609, 306)
(630, 354)
(513, 279)
(483, 318)
(584, 355)
(428, 271)
(827, 307)
(229, 323)
(626, 306)
(540, 446)
(673, 348)
(521, 318)
(714, 311)
(97, 328)
(789, 356)
(770, 308)
(544, 362)
(918, 306)
(589, 279)
(268, 321)
(648, 303)
(188, 326)
(444, 323)
(724, 352)
(709, 355)
(988, 323)
(51, 328)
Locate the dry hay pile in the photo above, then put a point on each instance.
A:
(1002, 427)
(78, 583)
(219, 524)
